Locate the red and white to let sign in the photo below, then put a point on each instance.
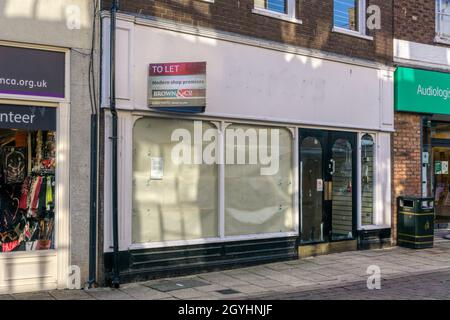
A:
(174, 85)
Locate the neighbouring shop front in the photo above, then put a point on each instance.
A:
(427, 93)
(233, 154)
(32, 160)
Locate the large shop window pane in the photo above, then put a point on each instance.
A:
(279, 6)
(171, 200)
(258, 201)
(367, 179)
(346, 14)
(27, 190)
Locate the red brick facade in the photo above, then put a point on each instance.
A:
(414, 20)
(236, 16)
(406, 175)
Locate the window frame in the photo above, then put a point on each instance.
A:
(377, 219)
(439, 35)
(374, 179)
(289, 16)
(362, 25)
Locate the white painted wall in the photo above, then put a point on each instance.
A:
(383, 180)
(421, 55)
(64, 23)
(252, 82)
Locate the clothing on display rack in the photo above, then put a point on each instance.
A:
(27, 190)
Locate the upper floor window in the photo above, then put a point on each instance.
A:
(443, 18)
(350, 17)
(280, 9)
(279, 6)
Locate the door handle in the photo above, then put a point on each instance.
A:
(328, 190)
(333, 166)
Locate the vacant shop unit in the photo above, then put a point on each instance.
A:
(235, 150)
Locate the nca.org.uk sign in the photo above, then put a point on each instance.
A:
(32, 72)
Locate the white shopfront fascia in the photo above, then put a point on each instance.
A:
(420, 55)
(251, 81)
(48, 269)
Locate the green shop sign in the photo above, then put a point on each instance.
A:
(422, 91)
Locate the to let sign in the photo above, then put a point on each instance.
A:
(32, 72)
(177, 86)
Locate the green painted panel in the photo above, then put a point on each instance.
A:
(422, 91)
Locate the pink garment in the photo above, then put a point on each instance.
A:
(25, 190)
(36, 189)
(10, 246)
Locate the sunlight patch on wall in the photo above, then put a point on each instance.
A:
(49, 10)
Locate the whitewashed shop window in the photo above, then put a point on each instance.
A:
(281, 9)
(258, 201)
(172, 200)
(350, 17)
(175, 201)
(443, 19)
(367, 180)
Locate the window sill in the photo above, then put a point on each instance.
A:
(441, 39)
(374, 227)
(276, 15)
(352, 33)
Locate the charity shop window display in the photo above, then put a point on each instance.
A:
(27, 190)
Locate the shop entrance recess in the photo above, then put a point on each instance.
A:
(328, 186)
(441, 179)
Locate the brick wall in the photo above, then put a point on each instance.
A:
(406, 153)
(414, 20)
(236, 16)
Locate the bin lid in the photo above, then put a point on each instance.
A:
(415, 198)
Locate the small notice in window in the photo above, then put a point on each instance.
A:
(444, 167)
(437, 167)
(425, 157)
(319, 185)
(157, 168)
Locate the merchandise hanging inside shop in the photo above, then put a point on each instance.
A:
(27, 190)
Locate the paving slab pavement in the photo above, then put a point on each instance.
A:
(323, 277)
(410, 287)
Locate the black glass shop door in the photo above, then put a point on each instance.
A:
(328, 185)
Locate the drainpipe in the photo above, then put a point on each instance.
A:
(93, 205)
(114, 139)
(92, 282)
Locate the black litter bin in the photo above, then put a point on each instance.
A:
(415, 224)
